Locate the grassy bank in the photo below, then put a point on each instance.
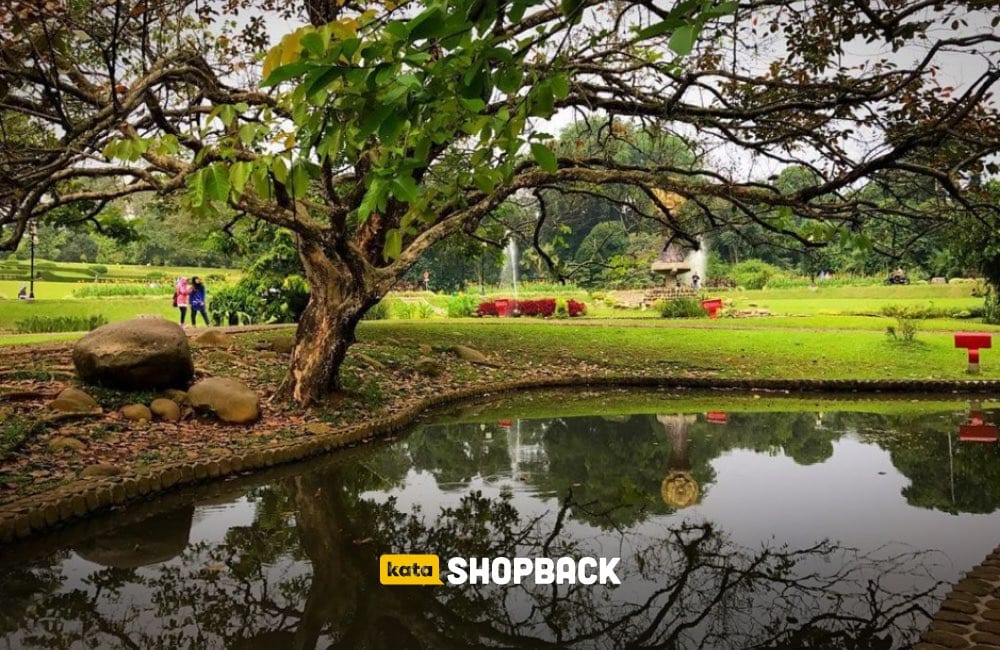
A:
(765, 353)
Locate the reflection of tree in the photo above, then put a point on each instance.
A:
(944, 475)
(683, 586)
(455, 453)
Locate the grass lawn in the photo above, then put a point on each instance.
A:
(114, 309)
(764, 353)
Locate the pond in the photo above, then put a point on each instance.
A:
(738, 522)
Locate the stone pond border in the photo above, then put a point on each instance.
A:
(39, 513)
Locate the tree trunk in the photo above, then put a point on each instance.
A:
(337, 301)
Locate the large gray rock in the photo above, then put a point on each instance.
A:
(229, 399)
(137, 354)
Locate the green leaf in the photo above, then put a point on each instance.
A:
(239, 174)
(313, 43)
(321, 81)
(393, 244)
(373, 199)
(683, 38)
(374, 120)
(429, 24)
(404, 188)
(544, 157)
(215, 182)
(398, 29)
(300, 178)
(560, 86)
(394, 124)
(509, 79)
(285, 72)
(544, 101)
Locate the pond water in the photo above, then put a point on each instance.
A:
(739, 523)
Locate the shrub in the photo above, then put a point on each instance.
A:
(575, 308)
(378, 311)
(684, 307)
(544, 307)
(42, 324)
(562, 311)
(424, 310)
(754, 274)
(461, 305)
(120, 290)
(906, 325)
(487, 309)
(239, 302)
(402, 310)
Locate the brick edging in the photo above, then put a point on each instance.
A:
(43, 512)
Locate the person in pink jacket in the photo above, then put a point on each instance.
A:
(182, 291)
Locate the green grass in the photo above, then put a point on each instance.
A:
(770, 353)
(113, 309)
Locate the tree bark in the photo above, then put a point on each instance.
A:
(338, 297)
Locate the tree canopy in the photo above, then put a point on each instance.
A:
(372, 131)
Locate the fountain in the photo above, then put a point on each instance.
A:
(510, 260)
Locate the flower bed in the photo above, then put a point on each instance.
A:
(544, 307)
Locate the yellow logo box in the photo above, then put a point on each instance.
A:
(399, 569)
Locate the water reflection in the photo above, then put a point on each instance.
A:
(298, 567)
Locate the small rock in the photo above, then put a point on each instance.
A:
(66, 444)
(319, 428)
(374, 364)
(177, 396)
(166, 409)
(213, 339)
(136, 412)
(472, 355)
(429, 367)
(101, 469)
(283, 345)
(229, 399)
(74, 400)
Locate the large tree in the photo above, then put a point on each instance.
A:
(378, 129)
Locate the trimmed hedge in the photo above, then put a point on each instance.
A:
(544, 307)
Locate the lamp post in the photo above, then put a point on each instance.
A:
(33, 233)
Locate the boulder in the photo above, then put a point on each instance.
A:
(229, 399)
(213, 339)
(166, 409)
(141, 353)
(137, 412)
(63, 443)
(74, 400)
(472, 355)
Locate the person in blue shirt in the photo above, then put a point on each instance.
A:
(198, 301)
